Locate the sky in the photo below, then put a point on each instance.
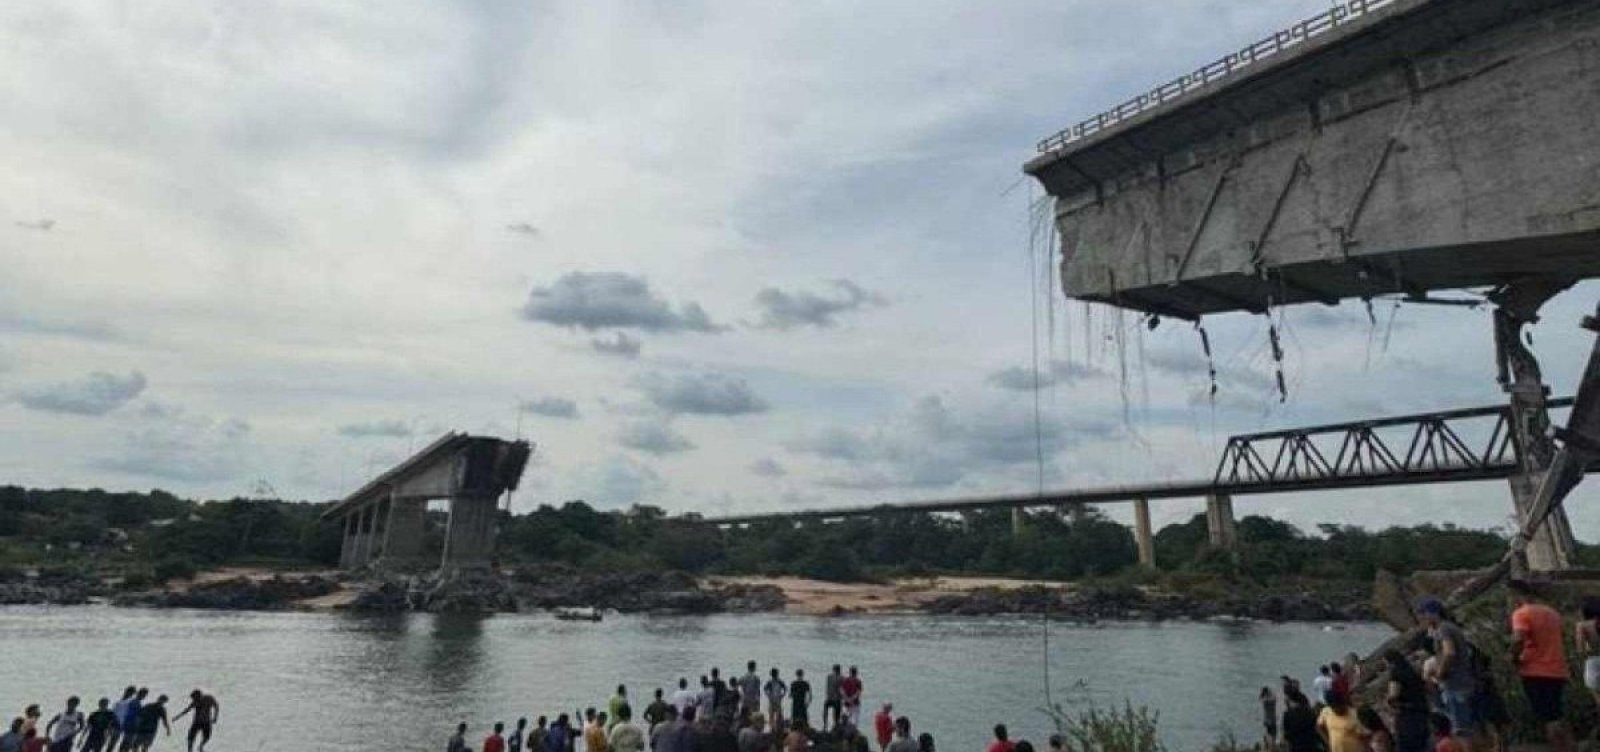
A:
(715, 257)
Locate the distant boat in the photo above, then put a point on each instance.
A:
(578, 614)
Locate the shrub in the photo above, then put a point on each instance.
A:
(174, 568)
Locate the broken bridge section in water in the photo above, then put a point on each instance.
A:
(383, 520)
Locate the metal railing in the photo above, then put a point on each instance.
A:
(1227, 66)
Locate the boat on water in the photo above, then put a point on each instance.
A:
(578, 614)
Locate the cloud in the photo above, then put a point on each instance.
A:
(934, 446)
(787, 310)
(70, 326)
(611, 300)
(524, 229)
(1021, 378)
(619, 481)
(701, 394)
(176, 446)
(1193, 366)
(768, 467)
(831, 443)
(620, 345)
(551, 407)
(96, 394)
(40, 225)
(376, 429)
(654, 437)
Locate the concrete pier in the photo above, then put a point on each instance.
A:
(1142, 535)
(1220, 531)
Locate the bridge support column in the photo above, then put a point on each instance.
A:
(347, 543)
(1516, 306)
(402, 537)
(1019, 519)
(1141, 533)
(1220, 531)
(469, 539)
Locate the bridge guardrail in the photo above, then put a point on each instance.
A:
(1266, 48)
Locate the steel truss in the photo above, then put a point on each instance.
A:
(1433, 450)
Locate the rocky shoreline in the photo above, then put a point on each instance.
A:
(556, 587)
(1133, 604)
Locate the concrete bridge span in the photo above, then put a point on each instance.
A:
(383, 520)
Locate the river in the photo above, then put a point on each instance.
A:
(318, 681)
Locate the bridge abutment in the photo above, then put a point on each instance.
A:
(469, 541)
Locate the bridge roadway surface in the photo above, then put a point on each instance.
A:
(1436, 453)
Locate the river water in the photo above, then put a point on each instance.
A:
(329, 681)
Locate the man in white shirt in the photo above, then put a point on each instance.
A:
(1321, 686)
(63, 729)
(684, 698)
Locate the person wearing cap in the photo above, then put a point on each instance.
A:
(1457, 682)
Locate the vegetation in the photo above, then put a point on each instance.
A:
(159, 536)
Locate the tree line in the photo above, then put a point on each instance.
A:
(170, 536)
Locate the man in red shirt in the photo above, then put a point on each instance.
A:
(883, 723)
(1002, 741)
(495, 742)
(850, 693)
(1541, 662)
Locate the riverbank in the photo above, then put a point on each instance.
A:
(550, 587)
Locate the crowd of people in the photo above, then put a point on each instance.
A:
(1442, 695)
(132, 724)
(746, 713)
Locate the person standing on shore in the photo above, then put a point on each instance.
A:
(152, 718)
(559, 737)
(99, 725)
(684, 698)
(496, 740)
(130, 721)
(536, 736)
(1299, 723)
(11, 740)
(1407, 696)
(902, 737)
(1269, 716)
(625, 735)
(832, 708)
(514, 741)
(883, 726)
(661, 733)
(705, 702)
(458, 740)
(206, 712)
(656, 711)
(1322, 685)
(753, 738)
(775, 691)
(850, 693)
(1541, 662)
(1458, 683)
(120, 713)
(617, 701)
(64, 727)
(749, 691)
(1002, 740)
(800, 699)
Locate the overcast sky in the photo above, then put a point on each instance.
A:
(715, 257)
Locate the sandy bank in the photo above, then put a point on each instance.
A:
(897, 596)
